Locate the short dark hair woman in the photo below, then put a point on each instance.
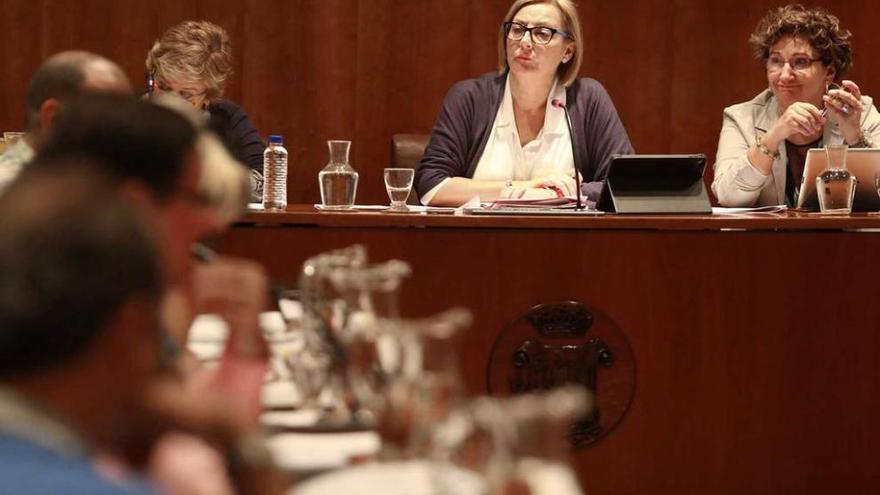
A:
(764, 142)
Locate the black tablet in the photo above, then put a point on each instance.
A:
(656, 184)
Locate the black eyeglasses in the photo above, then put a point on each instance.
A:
(540, 35)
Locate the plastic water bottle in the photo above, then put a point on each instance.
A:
(275, 174)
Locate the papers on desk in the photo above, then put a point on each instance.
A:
(300, 418)
(747, 211)
(208, 333)
(321, 451)
(280, 394)
(533, 203)
(212, 328)
(394, 478)
(546, 206)
(427, 478)
(384, 208)
(208, 328)
(207, 337)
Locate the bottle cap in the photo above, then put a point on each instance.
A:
(276, 139)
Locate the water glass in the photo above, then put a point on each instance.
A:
(876, 188)
(835, 186)
(836, 154)
(398, 183)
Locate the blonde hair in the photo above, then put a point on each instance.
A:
(193, 51)
(568, 71)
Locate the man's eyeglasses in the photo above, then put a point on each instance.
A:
(797, 64)
(540, 35)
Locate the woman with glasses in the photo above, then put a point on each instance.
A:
(764, 142)
(501, 136)
(194, 60)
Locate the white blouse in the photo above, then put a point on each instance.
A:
(504, 158)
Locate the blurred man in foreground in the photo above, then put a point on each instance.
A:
(59, 78)
(79, 331)
(157, 161)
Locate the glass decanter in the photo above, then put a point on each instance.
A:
(323, 308)
(428, 387)
(338, 180)
(364, 329)
(518, 445)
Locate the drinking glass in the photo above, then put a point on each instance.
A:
(519, 444)
(877, 188)
(428, 387)
(835, 186)
(398, 183)
(836, 154)
(299, 354)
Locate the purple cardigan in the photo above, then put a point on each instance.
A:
(469, 110)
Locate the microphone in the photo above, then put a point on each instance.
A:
(577, 176)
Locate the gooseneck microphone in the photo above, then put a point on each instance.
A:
(577, 176)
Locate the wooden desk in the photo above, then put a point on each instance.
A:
(755, 338)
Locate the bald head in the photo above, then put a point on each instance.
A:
(66, 74)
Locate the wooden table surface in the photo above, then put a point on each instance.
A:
(755, 338)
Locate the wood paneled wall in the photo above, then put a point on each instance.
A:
(363, 70)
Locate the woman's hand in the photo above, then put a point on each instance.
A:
(563, 183)
(799, 118)
(846, 103)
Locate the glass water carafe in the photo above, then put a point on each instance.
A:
(518, 445)
(371, 348)
(338, 180)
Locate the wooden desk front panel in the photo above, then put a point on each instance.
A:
(756, 352)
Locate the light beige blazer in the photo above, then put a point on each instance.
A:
(737, 182)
